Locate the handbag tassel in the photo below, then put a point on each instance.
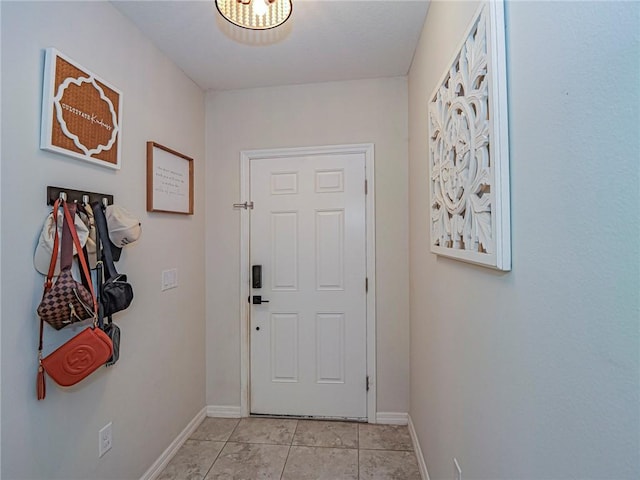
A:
(40, 383)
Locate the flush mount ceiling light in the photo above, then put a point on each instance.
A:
(255, 14)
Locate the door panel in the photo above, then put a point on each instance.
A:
(284, 250)
(284, 347)
(308, 231)
(330, 250)
(330, 337)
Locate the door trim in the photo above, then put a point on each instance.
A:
(245, 188)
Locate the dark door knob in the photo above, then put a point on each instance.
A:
(257, 300)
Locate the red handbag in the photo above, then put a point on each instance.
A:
(79, 357)
(86, 352)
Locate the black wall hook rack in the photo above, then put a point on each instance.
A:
(53, 193)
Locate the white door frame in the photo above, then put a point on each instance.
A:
(245, 288)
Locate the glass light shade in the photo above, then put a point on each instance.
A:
(269, 14)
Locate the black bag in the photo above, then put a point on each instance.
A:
(110, 328)
(113, 331)
(116, 294)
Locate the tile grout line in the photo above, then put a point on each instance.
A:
(358, 443)
(223, 447)
(214, 461)
(289, 449)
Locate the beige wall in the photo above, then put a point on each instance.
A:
(158, 385)
(308, 115)
(535, 373)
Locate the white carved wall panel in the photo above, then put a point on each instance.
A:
(284, 250)
(468, 148)
(284, 347)
(330, 250)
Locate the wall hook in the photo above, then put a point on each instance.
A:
(70, 195)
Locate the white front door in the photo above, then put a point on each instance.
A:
(308, 233)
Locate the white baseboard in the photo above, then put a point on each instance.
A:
(224, 411)
(172, 449)
(416, 447)
(392, 418)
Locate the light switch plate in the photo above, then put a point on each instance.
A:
(169, 279)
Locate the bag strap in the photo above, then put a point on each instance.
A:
(52, 265)
(41, 387)
(54, 253)
(102, 250)
(88, 212)
(99, 294)
(103, 232)
(66, 248)
(83, 261)
(99, 276)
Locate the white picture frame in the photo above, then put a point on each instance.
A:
(469, 148)
(81, 113)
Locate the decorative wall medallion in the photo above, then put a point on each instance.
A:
(80, 112)
(468, 148)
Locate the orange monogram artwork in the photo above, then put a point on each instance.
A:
(81, 113)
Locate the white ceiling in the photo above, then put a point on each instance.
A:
(324, 40)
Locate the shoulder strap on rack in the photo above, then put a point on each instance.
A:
(66, 248)
(40, 383)
(99, 275)
(103, 232)
(56, 245)
(83, 261)
(88, 213)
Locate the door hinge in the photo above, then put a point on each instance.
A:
(367, 383)
(366, 187)
(366, 285)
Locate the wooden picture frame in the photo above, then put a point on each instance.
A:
(81, 113)
(169, 180)
(469, 148)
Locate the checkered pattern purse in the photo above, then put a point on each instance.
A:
(66, 301)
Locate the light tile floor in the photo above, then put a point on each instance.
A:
(286, 449)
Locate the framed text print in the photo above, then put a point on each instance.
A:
(469, 149)
(81, 113)
(169, 180)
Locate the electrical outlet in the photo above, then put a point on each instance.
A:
(105, 440)
(457, 471)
